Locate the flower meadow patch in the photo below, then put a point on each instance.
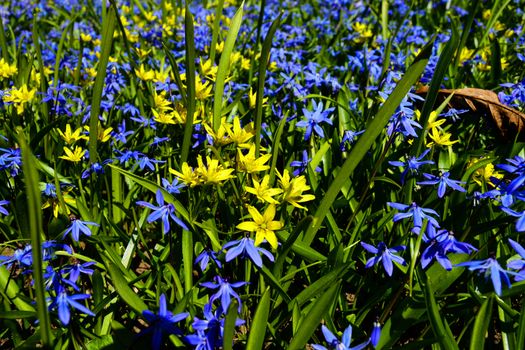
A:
(262, 174)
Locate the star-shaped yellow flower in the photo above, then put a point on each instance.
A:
(249, 164)
(263, 225)
(212, 172)
(263, 192)
(293, 189)
(187, 175)
(72, 136)
(440, 137)
(74, 156)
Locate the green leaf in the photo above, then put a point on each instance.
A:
(190, 81)
(311, 320)
(229, 325)
(108, 27)
(224, 66)
(29, 167)
(373, 130)
(10, 288)
(15, 315)
(442, 333)
(123, 289)
(263, 63)
(259, 324)
(481, 325)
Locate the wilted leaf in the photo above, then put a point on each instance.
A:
(509, 121)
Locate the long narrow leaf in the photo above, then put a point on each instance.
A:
(481, 325)
(224, 66)
(260, 320)
(29, 166)
(190, 82)
(366, 140)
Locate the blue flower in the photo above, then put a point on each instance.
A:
(162, 322)
(443, 181)
(302, 165)
(517, 264)
(225, 291)
(246, 247)
(163, 212)
(336, 344)
(63, 302)
(516, 167)
(489, 267)
(313, 119)
(412, 164)
(204, 259)
(417, 214)
(376, 334)
(77, 268)
(2, 209)
(385, 254)
(173, 187)
(520, 223)
(441, 243)
(21, 258)
(349, 138)
(78, 226)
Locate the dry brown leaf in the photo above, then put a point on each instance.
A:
(509, 121)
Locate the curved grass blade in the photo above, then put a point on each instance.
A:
(481, 325)
(187, 258)
(108, 27)
(373, 130)
(224, 66)
(190, 81)
(520, 335)
(29, 167)
(123, 289)
(441, 330)
(11, 290)
(263, 63)
(310, 321)
(259, 324)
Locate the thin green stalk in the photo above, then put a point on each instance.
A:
(190, 82)
(29, 168)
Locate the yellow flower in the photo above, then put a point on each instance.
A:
(239, 135)
(74, 156)
(221, 137)
(484, 174)
(202, 90)
(165, 118)
(103, 134)
(432, 119)
(363, 30)
(465, 55)
(72, 137)
(143, 74)
(7, 70)
(212, 172)
(208, 69)
(252, 96)
(263, 192)
(19, 97)
(187, 175)
(249, 164)
(86, 37)
(263, 225)
(440, 137)
(293, 189)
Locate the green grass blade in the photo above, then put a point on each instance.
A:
(3, 43)
(259, 324)
(176, 73)
(481, 325)
(320, 285)
(29, 167)
(108, 27)
(442, 333)
(263, 63)
(373, 130)
(187, 259)
(153, 187)
(190, 82)
(216, 29)
(224, 66)
(123, 289)
(496, 12)
(520, 335)
(229, 325)
(310, 321)
(11, 290)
